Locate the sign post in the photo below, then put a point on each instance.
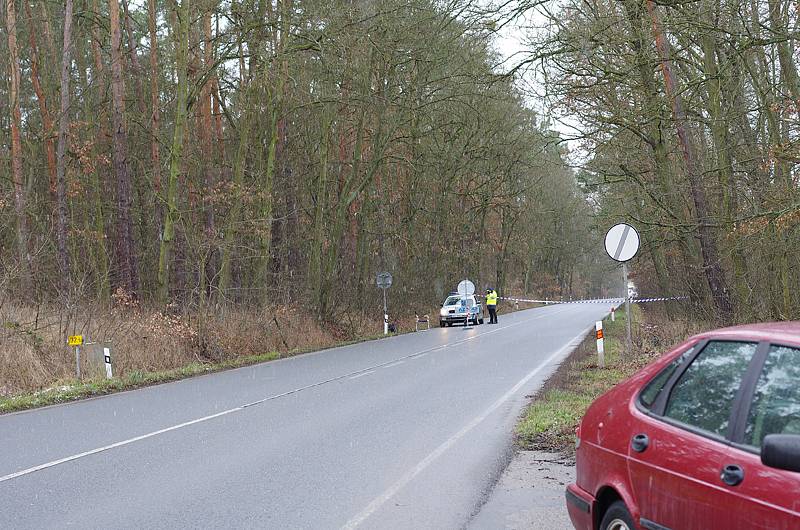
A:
(627, 306)
(622, 243)
(384, 281)
(76, 341)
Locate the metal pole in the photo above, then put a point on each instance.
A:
(385, 315)
(628, 342)
(466, 307)
(78, 362)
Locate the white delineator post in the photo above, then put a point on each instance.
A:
(601, 351)
(613, 314)
(107, 359)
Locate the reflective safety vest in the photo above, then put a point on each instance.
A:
(491, 298)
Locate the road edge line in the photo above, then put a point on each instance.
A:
(379, 501)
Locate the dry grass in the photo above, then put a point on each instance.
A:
(34, 354)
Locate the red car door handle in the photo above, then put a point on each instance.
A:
(732, 475)
(640, 442)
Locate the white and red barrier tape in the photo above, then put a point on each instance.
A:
(661, 299)
(594, 301)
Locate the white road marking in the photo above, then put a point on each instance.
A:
(361, 375)
(379, 501)
(396, 363)
(363, 371)
(112, 446)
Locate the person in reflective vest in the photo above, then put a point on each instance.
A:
(491, 305)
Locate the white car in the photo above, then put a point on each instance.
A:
(457, 309)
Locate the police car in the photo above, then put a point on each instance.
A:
(456, 309)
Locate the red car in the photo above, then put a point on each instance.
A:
(706, 437)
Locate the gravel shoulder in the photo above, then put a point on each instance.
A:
(530, 494)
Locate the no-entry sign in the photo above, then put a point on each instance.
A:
(622, 242)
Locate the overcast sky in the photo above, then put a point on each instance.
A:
(511, 43)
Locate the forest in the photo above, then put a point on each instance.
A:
(230, 176)
(256, 152)
(689, 113)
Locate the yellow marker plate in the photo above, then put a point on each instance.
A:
(75, 340)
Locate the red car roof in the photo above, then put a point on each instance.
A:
(769, 331)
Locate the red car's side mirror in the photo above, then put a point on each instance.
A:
(781, 451)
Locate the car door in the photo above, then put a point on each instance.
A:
(680, 442)
(767, 497)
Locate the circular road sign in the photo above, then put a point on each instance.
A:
(466, 288)
(384, 280)
(622, 242)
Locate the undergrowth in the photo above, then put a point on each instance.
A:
(149, 346)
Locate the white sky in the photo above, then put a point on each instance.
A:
(510, 42)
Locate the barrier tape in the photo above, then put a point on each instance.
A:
(595, 300)
(661, 299)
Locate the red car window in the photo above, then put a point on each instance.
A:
(703, 396)
(650, 393)
(776, 402)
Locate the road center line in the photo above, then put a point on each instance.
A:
(363, 371)
(379, 501)
(361, 374)
(396, 363)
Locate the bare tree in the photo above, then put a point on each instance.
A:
(126, 265)
(63, 126)
(20, 192)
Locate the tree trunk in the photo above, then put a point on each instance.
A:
(208, 271)
(41, 97)
(720, 126)
(176, 154)
(778, 21)
(126, 267)
(240, 161)
(63, 126)
(276, 102)
(674, 202)
(93, 105)
(155, 117)
(316, 272)
(708, 246)
(20, 192)
(134, 54)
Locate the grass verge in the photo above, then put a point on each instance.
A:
(550, 420)
(73, 390)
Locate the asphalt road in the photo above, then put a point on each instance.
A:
(406, 432)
